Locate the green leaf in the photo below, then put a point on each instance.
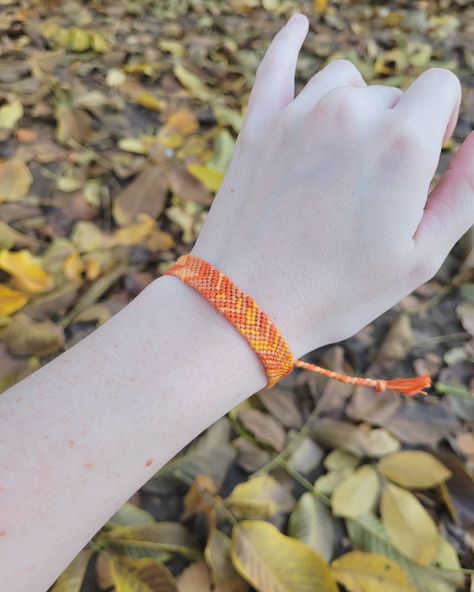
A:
(141, 575)
(311, 522)
(273, 562)
(408, 525)
(356, 494)
(73, 576)
(364, 572)
(368, 534)
(414, 469)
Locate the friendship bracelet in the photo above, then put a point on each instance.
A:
(260, 332)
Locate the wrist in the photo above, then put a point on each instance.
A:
(200, 344)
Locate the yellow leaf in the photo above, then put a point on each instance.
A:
(391, 62)
(365, 572)
(98, 43)
(149, 101)
(87, 237)
(11, 300)
(273, 562)
(72, 578)
(321, 6)
(141, 575)
(192, 83)
(356, 494)
(74, 267)
(409, 526)
(414, 469)
(260, 497)
(10, 114)
(210, 178)
(135, 233)
(15, 180)
(27, 271)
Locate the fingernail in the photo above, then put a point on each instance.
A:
(297, 19)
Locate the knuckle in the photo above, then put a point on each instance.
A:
(404, 138)
(344, 104)
(425, 268)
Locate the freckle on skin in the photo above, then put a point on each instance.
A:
(149, 462)
(71, 443)
(3, 533)
(88, 466)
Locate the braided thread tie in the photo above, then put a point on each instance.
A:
(261, 334)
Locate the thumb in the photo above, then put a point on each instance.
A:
(449, 210)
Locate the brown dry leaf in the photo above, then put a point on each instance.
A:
(11, 300)
(359, 440)
(397, 343)
(282, 405)
(465, 312)
(145, 195)
(15, 180)
(197, 502)
(103, 573)
(27, 271)
(25, 337)
(194, 578)
(264, 427)
(73, 124)
(251, 457)
(187, 187)
(184, 121)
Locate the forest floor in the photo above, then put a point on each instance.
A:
(117, 122)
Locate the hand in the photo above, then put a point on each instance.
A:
(325, 215)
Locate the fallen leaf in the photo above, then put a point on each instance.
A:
(11, 300)
(311, 522)
(217, 554)
(194, 578)
(264, 427)
(414, 469)
(15, 180)
(260, 497)
(364, 572)
(25, 337)
(357, 494)
(141, 575)
(135, 234)
(409, 526)
(145, 195)
(209, 177)
(26, 270)
(72, 578)
(273, 562)
(10, 114)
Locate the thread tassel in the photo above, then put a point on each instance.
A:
(405, 386)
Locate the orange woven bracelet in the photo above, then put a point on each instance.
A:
(260, 332)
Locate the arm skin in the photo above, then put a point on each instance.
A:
(82, 434)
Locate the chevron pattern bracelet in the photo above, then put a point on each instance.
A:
(260, 332)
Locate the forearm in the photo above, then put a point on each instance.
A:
(82, 434)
